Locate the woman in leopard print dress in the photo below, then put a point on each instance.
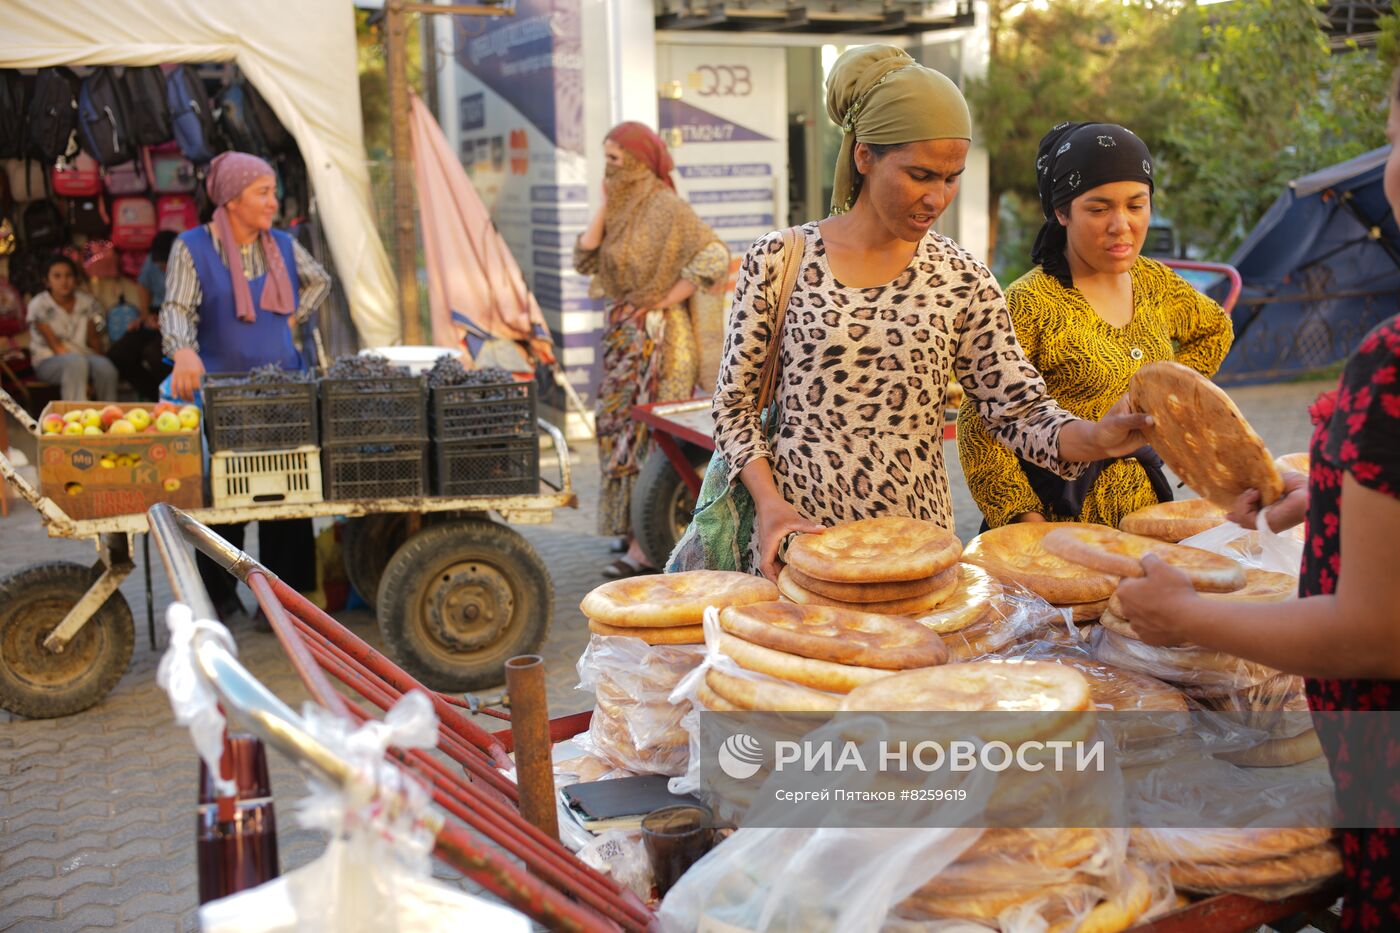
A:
(883, 312)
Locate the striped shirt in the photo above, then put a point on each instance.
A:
(179, 312)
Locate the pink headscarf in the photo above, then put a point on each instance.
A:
(229, 175)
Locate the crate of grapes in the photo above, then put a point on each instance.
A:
(267, 408)
(365, 398)
(480, 404)
(376, 470)
(486, 468)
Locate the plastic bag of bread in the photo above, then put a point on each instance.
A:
(1261, 548)
(635, 725)
(1013, 616)
(1187, 666)
(800, 880)
(1269, 863)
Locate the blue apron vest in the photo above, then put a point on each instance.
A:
(226, 344)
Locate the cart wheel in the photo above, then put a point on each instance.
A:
(38, 683)
(370, 541)
(662, 503)
(458, 600)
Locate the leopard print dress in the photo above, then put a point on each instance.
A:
(863, 378)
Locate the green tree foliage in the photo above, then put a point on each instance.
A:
(374, 85)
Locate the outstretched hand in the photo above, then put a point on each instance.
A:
(1119, 432)
(1289, 510)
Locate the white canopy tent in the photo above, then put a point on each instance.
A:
(301, 56)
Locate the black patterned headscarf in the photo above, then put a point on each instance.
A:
(1072, 158)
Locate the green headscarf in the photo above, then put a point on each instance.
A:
(878, 94)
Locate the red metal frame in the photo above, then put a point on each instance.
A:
(1223, 268)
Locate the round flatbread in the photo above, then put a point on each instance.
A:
(1086, 612)
(670, 599)
(978, 686)
(986, 906)
(968, 604)
(826, 676)
(675, 635)
(1201, 435)
(914, 605)
(1129, 900)
(984, 637)
(713, 701)
(873, 592)
(1057, 848)
(1293, 463)
(1179, 664)
(1224, 846)
(1114, 552)
(876, 550)
(769, 695)
(1260, 586)
(1016, 554)
(1309, 865)
(1173, 521)
(1116, 690)
(843, 636)
(1277, 753)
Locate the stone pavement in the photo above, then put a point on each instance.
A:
(97, 809)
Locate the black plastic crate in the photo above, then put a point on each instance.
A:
(495, 468)
(375, 471)
(394, 409)
(243, 416)
(484, 412)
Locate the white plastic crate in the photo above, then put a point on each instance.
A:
(265, 477)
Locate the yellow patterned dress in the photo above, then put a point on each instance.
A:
(1086, 363)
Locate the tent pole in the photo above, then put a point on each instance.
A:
(401, 147)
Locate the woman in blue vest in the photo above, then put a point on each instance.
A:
(233, 287)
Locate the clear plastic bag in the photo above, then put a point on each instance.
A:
(621, 854)
(635, 725)
(374, 876)
(1261, 548)
(191, 699)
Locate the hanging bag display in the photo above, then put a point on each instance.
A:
(127, 178)
(148, 117)
(80, 178)
(133, 223)
(53, 116)
(176, 212)
(102, 119)
(723, 524)
(167, 170)
(191, 114)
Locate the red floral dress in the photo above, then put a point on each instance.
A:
(1358, 432)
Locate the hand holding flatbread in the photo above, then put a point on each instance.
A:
(1201, 434)
(1119, 554)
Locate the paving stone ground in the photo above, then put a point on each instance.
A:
(97, 809)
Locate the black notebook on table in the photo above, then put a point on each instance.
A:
(620, 803)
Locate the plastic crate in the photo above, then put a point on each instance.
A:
(484, 412)
(499, 468)
(267, 476)
(394, 410)
(259, 416)
(375, 470)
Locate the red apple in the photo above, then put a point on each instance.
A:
(108, 415)
(53, 424)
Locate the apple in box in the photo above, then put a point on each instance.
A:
(140, 418)
(109, 415)
(53, 424)
(167, 422)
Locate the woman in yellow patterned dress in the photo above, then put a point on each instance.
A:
(652, 258)
(1092, 312)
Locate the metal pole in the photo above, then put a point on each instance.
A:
(401, 148)
(529, 724)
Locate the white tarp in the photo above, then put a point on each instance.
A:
(301, 55)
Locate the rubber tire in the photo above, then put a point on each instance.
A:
(420, 560)
(110, 630)
(369, 542)
(654, 502)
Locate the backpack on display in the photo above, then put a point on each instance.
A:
(27, 179)
(176, 212)
(127, 178)
(131, 261)
(41, 225)
(80, 178)
(236, 123)
(148, 116)
(133, 223)
(12, 110)
(53, 116)
(191, 118)
(167, 170)
(88, 216)
(102, 118)
(100, 260)
(274, 135)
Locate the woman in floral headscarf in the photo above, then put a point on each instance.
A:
(649, 255)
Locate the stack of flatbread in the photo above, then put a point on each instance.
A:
(1293, 463)
(887, 566)
(810, 655)
(1119, 554)
(1152, 710)
(1016, 554)
(1263, 863)
(635, 725)
(666, 609)
(1173, 521)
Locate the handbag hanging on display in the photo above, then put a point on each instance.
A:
(723, 523)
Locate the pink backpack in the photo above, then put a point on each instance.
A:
(176, 212)
(127, 178)
(168, 171)
(80, 178)
(133, 223)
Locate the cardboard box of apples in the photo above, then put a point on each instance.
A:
(97, 460)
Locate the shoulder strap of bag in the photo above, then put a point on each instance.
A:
(794, 245)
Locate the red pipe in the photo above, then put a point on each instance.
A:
(306, 667)
(334, 632)
(1221, 268)
(560, 728)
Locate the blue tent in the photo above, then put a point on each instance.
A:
(1320, 270)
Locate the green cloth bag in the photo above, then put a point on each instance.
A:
(722, 525)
